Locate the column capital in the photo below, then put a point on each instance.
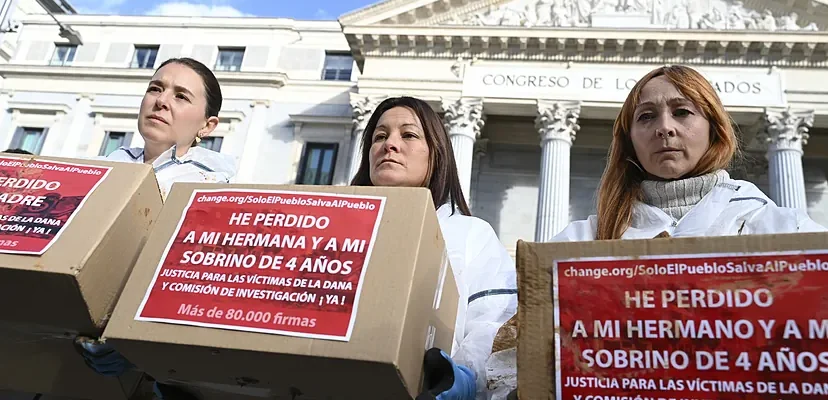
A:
(785, 129)
(464, 116)
(363, 107)
(558, 120)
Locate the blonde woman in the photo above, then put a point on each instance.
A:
(665, 174)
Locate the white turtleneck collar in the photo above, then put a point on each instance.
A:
(677, 198)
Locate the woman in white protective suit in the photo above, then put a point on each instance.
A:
(665, 173)
(180, 107)
(405, 144)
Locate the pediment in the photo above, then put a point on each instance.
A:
(747, 15)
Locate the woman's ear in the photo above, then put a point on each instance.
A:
(209, 127)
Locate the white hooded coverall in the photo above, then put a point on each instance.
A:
(733, 207)
(487, 281)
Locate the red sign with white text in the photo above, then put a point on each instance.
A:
(267, 261)
(702, 327)
(39, 198)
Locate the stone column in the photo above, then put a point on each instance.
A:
(557, 124)
(77, 127)
(464, 121)
(786, 134)
(363, 108)
(256, 131)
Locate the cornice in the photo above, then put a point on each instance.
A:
(430, 12)
(153, 21)
(42, 107)
(789, 49)
(120, 111)
(258, 79)
(320, 119)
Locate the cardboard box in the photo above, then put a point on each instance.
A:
(222, 306)
(64, 259)
(587, 310)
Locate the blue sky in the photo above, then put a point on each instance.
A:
(298, 9)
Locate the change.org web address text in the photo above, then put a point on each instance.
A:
(309, 201)
(683, 268)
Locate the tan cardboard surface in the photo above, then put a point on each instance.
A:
(385, 352)
(72, 288)
(536, 311)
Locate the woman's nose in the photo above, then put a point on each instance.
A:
(162, 101)
(392, 144)
(665, 132)
(665, 128)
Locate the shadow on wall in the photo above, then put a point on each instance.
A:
(587, 167)
(505, 191)
(505, 188)
(816, 188)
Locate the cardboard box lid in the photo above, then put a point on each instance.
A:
(73, 285)
(395, 316)
(537, 313)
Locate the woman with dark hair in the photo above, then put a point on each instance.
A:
(180, 108)
(405, 144)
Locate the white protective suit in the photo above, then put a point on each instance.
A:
(198, 165)
(732, 207)
(487, 281)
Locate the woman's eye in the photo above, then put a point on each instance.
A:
(379, 137)
(410, 135)
(153, 89)
(645, 117)
(182, 97)
(681, 112)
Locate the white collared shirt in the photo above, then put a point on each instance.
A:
(197, 165)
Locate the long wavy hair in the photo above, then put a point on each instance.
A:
(620, 184)
(441, 177)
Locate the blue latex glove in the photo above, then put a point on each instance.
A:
(102, 357)
(445, 380)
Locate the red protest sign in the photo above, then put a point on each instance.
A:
(38, 199)
(269, 261)
(692, 327)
